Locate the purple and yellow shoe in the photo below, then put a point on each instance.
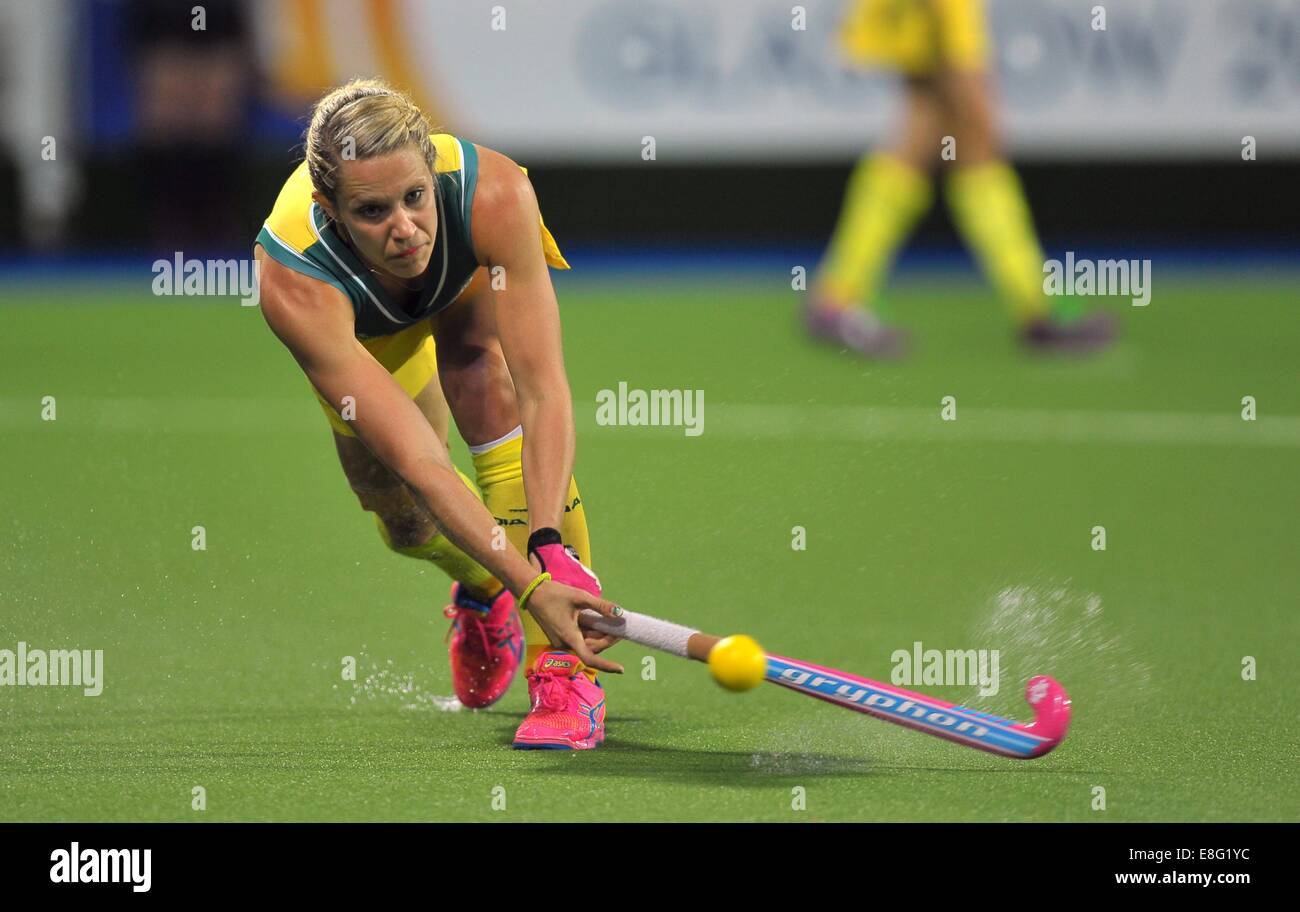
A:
(486, 646)
(568, 708)
(853, 327)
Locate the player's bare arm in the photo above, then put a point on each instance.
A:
(514, 317)
(507, 239)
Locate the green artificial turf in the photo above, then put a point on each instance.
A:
(222, 668)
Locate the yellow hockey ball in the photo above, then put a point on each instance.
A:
(738, 662)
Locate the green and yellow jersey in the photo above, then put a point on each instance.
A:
(299, 235)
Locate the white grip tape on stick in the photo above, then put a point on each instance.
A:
(641, 628)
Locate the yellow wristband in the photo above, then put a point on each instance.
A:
(523, 598)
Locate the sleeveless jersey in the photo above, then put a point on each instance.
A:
(299, 235)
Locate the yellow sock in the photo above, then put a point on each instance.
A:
(500, 475)
(989, 209)
(882, 203)
(448, 558)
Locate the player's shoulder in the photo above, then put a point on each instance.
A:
(281, 284)
(289, 223)
(498, 174)
(290, 236)
(294, 301)
(504, 197)
(505, 218)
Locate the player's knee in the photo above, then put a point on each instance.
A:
(401, 524)
(403, 531)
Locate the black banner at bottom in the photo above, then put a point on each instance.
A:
(332, 861)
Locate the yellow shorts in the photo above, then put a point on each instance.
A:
(408, 355)
(916, 37)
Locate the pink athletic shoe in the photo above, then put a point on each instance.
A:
(568, 709)
(487, 642)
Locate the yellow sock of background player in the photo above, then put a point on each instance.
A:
(439, 551)
(500, 474)
(882, 203)
(989, 209)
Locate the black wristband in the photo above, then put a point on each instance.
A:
(543, 537)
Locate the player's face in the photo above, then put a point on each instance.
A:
(386, 204)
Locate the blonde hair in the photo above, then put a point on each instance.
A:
(365, 118)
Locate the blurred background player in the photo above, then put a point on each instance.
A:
(941, 48)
